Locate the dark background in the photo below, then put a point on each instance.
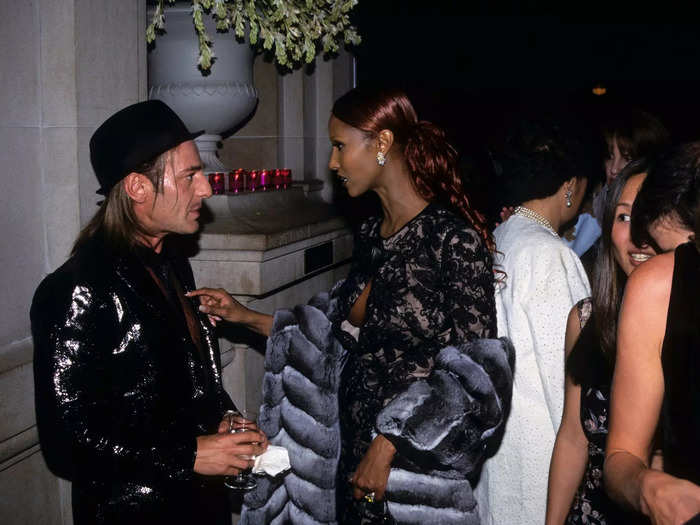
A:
(468, 67)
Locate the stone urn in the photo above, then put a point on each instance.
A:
(215, 102)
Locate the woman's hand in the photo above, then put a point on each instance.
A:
(504, 214)
(668, 500)
(372, 473)
(218, 305)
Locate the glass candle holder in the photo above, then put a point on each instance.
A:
(218, 183)
(253, 180)
(265, 177)
(277, 179)
(237, 181)
(286, 178)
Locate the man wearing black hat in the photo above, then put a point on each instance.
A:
(127, 372)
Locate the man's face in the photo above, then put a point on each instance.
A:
(185, 186)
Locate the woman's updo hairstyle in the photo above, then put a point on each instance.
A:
(541, 154)
(431, 160)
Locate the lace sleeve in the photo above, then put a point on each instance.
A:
(468, 274)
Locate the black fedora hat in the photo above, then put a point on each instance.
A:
(132, 136)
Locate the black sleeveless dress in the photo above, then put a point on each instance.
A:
(680, 358)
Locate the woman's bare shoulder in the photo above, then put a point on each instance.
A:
(653, 278)
(645, 303)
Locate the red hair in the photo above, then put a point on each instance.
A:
(431, 160)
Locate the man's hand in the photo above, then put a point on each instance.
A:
(225, 454)
(372, 473)
(239, 422)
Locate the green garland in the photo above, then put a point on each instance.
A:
(295, 29)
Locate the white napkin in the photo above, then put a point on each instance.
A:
(273, 461)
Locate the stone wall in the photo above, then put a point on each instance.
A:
(66, 65)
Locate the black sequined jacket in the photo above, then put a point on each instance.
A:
(122, 392)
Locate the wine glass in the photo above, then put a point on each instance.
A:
(240, 421)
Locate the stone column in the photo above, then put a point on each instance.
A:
(66, 65)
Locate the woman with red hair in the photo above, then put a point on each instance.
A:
(420, 391)
(424, 278)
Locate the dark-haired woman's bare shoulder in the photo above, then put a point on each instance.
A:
(651, 281)
(644, 309)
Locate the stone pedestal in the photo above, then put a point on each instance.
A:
(278, 250)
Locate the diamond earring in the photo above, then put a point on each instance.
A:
(381, 159)
(568, 195)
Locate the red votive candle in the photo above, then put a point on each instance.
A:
(253, 180)
(218, 183)
(264, 179)
(277, 179)
(286, 178)
(236, 181)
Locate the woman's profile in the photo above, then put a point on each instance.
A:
(413, 414)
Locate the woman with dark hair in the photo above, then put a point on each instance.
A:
(576, 493)
(545, 170)
(632, 134)
(629, 134)
(421, 280)
(664, 212)
(657, 376)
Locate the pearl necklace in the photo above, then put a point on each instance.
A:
(534, 216)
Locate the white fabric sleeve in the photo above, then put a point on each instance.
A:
(558, 283)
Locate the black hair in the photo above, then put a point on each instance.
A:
(638, 133)
(542, 154)
(607, 286)
(669, 191)
(608, 282)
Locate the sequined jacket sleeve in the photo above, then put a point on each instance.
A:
(98, 411)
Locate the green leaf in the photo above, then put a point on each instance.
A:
(296, 29)
(253, 32)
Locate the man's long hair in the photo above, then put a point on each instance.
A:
(115, 221)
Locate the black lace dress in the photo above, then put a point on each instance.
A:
(432, 285)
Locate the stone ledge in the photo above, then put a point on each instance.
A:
(18, 447)
(16, 354)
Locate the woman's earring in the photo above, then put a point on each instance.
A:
(381, 159)
(568, 195)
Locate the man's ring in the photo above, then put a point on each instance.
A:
(369, 497)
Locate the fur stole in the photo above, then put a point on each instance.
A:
(440, 425)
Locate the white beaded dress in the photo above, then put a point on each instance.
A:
(543, 280)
